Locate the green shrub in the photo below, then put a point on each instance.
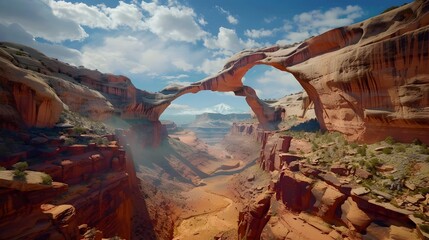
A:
(314, 146)
(417, 142)
(69, 141)
(19, 170)
(390, 140)
(424, 228)
(362, 150)
(100, 141)
(46, 179)
(387, 150)
(20, 53)
(389, 9)
(19, 174)
(372, 164)
(422, 216)
(424, 149)
(2, 168)
(354, 145)
(79, 130)
(20, 166)
(423, 190)
(400, 149)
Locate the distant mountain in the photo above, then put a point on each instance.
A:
(218, 120)
(212, 127)
(221, 108)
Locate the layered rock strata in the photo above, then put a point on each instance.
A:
(302, 187)
(91, 187)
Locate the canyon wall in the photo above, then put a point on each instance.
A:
(35, 89)
(315, 196)
(91, 189)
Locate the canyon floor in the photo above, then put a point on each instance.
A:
(211, 209)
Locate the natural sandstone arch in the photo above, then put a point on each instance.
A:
(365, 83)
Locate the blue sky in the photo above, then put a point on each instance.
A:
(156, 43)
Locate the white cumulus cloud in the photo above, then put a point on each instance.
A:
(212, 66)
(15, 33)
(260, 33)
(231, 19)
(139, 53)
(38, 19)
(173, 22)
(275, 83)
(228, 41)
(315, 22)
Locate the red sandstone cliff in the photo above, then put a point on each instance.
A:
(35, 89)
(95, 189)
(326, 200)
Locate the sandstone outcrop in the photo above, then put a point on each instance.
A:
(300, 186)
(35, 89)
(97, 193)
(253, 218)
(26, 98)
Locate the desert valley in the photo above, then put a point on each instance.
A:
(88, 155)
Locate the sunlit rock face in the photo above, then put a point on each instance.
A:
(366, 80)
(35, 89)
(373, 82)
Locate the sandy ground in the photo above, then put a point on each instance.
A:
(209, 209)
(208, 212)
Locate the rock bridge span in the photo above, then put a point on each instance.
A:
(366, 80)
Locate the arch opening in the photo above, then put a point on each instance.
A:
(281, 90)
(211, 118)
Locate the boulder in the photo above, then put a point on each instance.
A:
(360, 191)
(340, 169)
(294, 189)
(361, 173)
(327, 200)
(402, 233)
(353, 217)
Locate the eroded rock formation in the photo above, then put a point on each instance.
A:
(35, 89)
(371, 84)
(91, 187)
(299, 187)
